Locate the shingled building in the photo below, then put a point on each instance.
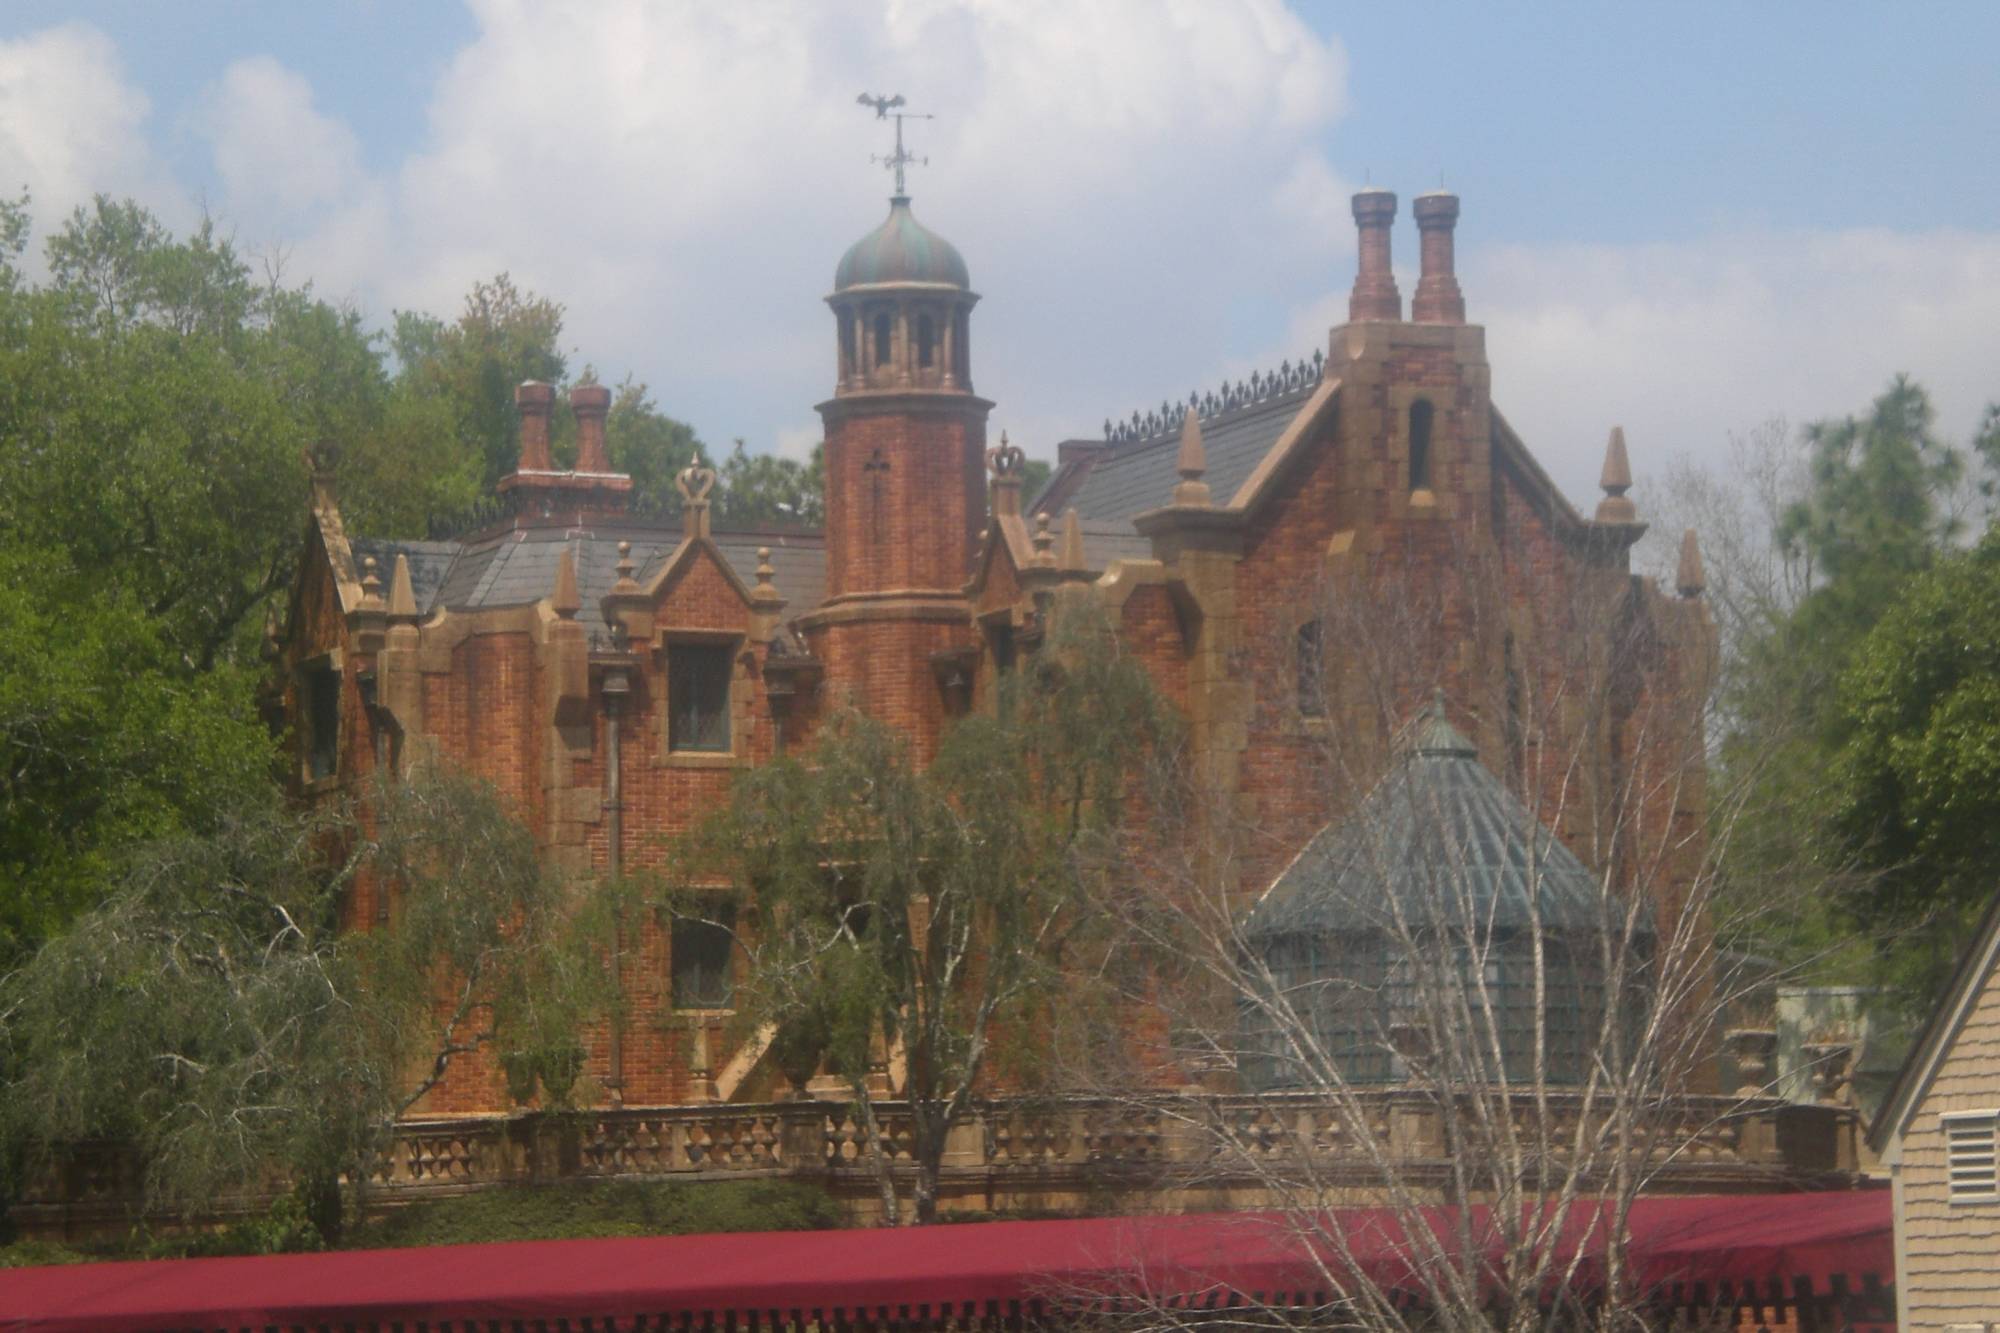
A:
(609, 671)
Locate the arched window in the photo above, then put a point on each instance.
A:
(926, 341)
(1311, 651)
(1420, 445)
(882, 339)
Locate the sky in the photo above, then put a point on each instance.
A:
(1685, 220)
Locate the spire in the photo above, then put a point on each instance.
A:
(402, 597)
(1071, 557)
(1192, 463)
(1617, 479)
(564, 599)
(1689, 579)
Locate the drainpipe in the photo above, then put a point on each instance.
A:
(617, 687)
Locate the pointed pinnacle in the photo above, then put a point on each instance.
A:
(1689, 579)
(402, 596)
(1071, 556)
(564, 600)
(1193, 459)
(1617, 478)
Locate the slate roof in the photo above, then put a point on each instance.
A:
(518, 567)
(1442, 840)
(1132, 478)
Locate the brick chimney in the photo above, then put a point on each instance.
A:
(590, 403)
(1375, 296)
(534, 400)
(1438, 299)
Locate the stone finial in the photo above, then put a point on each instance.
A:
(1375, 296)
(1071, 558)
(625, 583)
(1044, 541)
(1617, 479)
(1437, 299)
(1689, 579)
(402, 594)
(563, 599)
(694, 483)
(534, 400)
(371, 586)
(591, 404)
(766, 590)
(1191, 463)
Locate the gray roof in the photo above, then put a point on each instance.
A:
(1440, 843)
(1132, 478)
(517, 567)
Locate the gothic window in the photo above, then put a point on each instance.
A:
(698, 676)
(1311, 663)
(1420, 445)
(926, 341)
(703, 950)
(882, 339)
(1516, 733)
(322, 718)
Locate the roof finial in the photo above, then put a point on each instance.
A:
(884, 103)
(626, 583)
(1689, 579)
(371, 585)
(766, 590)
(694, 482)
(1044, 540)
(1616, 480)
(1192, 463)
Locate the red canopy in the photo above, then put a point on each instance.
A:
(914, 1274)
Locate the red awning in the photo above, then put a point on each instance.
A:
(1769, 1242)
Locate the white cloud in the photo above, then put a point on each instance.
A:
(71, 125)
(1684, 344)
(275, 152)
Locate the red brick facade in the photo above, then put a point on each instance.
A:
(1392, 483)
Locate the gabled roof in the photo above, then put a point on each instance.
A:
(1977, 969)
(1440, 840)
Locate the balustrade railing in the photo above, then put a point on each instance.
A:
(1009, 1144)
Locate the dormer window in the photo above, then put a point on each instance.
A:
(698, 677)
(1420, 445)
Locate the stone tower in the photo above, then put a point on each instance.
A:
(905, 476)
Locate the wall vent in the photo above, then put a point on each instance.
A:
(1972, 1156)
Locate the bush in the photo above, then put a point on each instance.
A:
(602, 1208)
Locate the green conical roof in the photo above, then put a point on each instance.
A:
(1440, 843)
(902, 249)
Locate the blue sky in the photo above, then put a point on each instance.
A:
(1685, 219)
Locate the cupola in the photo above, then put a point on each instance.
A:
(902, 297)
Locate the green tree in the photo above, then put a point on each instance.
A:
(934, 911)
(765, 488)
(1914, 789)
(214, 1016)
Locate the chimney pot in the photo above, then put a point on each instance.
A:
(1438, 299)
(533, 400)
(1375, 296)
(590, 403)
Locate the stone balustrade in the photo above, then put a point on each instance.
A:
(1043, 1155)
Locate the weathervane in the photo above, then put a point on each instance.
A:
(897, 160)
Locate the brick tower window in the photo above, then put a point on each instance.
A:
(926, 341)
(322, 709)
(698, 677)
(1420, 445)
(882, 339)
(702, 954)
(1310, 647)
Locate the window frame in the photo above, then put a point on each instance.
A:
(721, 920)
(330, 667)
(727, 649)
